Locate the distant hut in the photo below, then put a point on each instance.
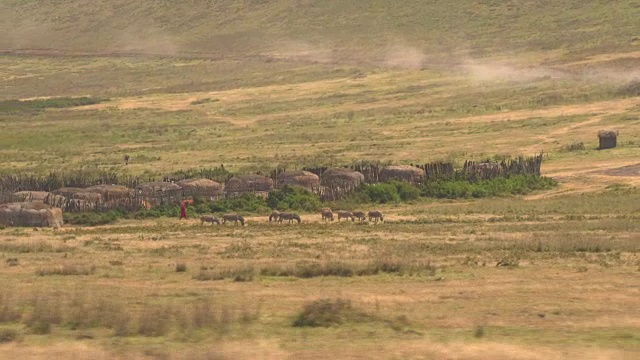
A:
(241, 184)
(111, 192)
(33, 214)
(341, 177)
(408, 173)
(157, 186)
(305, 179)
(30, 196)
(608, 139)
(78, 194)
(203, 188)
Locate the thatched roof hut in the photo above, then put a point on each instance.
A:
(111, 192)
(156, 186)
(248, 183)
(406, 173)
(305, 179)
(341, 177)
(608, 139)
(78, 194)
(30, 214)
(201, 187)
(30, 196)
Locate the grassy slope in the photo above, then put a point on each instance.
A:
(251, 26)
(339, 77)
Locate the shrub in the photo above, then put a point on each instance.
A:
(514, 185)
(92, 218)
(67, 270)
(153, 321)
(41, 328)
(8, 335)
(239, 274)
(382, 193)
(243, 203)
(326, 312)
(293, 198)
(406, 191)
(12, 106)
(575, 146)
(181, 267)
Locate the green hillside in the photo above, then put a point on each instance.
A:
(328, 28)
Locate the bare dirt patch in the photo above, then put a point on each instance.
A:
(629, 170)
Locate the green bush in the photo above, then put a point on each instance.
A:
(293, 198)
(244, 203)
(12, 106)
(93, 218)
(406, 191)
(382, 193)
(515, 185)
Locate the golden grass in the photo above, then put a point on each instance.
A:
(569, 292)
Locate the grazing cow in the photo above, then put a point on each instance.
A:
(327, 214)
(375, 215)
(345, 215)
(289, 216)
(209, 219)
(232, 217)
(360, 215)
(275, 215)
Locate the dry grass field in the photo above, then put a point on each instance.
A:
(255, 84)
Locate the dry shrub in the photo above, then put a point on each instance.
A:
(8, 310)
(327, 312)
(154, 321)
(311, 269)
(67, 270)
(239, 274)
(8, 335)
(181, 267)
(33, 247)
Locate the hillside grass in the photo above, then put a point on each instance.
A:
(324, 29)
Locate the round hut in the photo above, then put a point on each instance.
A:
(341, 177)
(204, 188)
(30, 196)
(111, 192)
(608, 139)
(78, 194)
(157, 186)
(241, 184)
(305, 179)
(408, 173)
(30, 214)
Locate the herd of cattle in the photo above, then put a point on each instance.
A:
(279, 217)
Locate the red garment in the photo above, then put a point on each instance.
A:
(183, 211)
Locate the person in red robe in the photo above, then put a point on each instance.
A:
(183, 210)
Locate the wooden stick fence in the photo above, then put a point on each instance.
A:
(435, 171)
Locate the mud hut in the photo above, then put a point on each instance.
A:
(78, 194)
(608, 139)
(341, 177)
(241, 184)
(157, 186)
(204, 188)
(30, 214)
(408, 173)
(30, 196)
(305, 179)
(110, 192)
